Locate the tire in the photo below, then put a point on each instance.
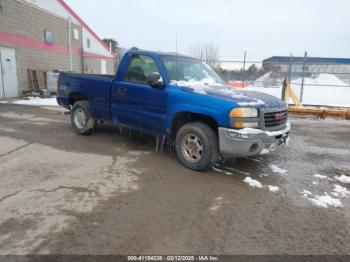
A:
(81, 119)
(197, 146)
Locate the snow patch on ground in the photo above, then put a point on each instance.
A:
(239, 171)
(315, 183)
(222, 171)
(325, 201)
(340, 191)
(344, 179)
(320, 176)
(252, 182)
(274, 188)
(276, 169)
(34, 101)
(217, 204)
(306, 193)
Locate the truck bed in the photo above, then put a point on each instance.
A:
(96, 88)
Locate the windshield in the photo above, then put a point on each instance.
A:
(190, 72)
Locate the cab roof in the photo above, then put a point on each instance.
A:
(146, 52)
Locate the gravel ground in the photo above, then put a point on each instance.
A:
(61, 193)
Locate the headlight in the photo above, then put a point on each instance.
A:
(244, 112)
(244, 117)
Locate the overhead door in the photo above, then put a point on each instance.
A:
(8, 73)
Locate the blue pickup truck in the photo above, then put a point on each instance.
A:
(182, 100)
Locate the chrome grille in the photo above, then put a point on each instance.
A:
(275, 120)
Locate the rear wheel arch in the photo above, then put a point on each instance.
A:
(75, 97)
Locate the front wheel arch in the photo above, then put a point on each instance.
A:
(184, 117)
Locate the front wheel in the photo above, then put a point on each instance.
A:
(197, 146)
(82, 121)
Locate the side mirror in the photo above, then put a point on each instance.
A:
(155, 80)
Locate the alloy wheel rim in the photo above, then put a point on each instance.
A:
(192, 148)
(79, 118)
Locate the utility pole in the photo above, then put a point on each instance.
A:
(290, 68)
(303, 78)
(70, 54)
(243, 70)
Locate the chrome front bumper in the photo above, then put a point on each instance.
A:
(249, 141)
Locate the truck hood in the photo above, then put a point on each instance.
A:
(237, 96)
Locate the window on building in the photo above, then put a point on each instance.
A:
(88, 42)
(48, 35)
(76, 34)
(140, 68)
(1, 7)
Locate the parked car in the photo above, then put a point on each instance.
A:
(180, 99)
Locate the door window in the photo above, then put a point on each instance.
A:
(140, 68)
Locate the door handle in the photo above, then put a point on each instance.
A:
(122, 90)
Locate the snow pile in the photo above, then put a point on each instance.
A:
(344, 179)
(276, 169)
(322, 79)
(252, 182)
(326, 89)
(34, 101)
(274, 189)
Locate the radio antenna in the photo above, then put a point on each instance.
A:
(176, 59)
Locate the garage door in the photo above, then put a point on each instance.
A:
(8, 72)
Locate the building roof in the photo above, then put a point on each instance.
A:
(310, 60)
(83, 24)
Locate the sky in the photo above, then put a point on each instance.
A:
(263, 28)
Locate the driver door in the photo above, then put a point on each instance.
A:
(134, 102)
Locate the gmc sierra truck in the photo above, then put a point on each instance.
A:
(180, 99)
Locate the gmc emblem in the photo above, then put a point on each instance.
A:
(279, 116)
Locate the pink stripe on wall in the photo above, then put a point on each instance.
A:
(31, 43)
(41, 45)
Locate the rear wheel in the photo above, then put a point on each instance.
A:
(82, 121)
(197, 146)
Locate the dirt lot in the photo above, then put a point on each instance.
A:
(61, 193)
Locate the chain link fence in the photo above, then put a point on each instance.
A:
(316, 81)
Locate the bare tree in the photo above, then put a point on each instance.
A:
(207, 52)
